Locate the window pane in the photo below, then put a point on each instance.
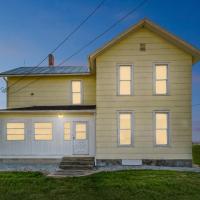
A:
(43, 131)
(43, 137)
(161, 137)
(67, 135)
(76, 98)
(125, 72)
(125, 121)
(81, 131)
(161, 120)
(15, 131)
(76, 86)
(125, 88)
(15, 137)
(125, 137)
(161, 72)
(43, 125)
(161, 87)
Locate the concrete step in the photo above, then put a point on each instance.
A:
(83, 162)
(78, 159)
(76, 167)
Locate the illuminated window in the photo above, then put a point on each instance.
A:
(125, 80)
(15, 131)
(162, 129)
(125, 128)
(43, 131)
(76, 92)
(80, 130)
(67, 131)
(161, 79)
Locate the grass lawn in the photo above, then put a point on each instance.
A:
(196, 154)
(134, 184)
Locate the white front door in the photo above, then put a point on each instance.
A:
(80, 138)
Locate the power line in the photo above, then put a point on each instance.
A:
(62, 42)
(104, 32)
(100, 35)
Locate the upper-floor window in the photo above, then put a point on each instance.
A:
(162, 128)
(161, 79)
(76, 92)
(125, 128)
(125, 80)
(15, 131)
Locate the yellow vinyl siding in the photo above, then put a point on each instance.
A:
(55, 90)
(143, 102)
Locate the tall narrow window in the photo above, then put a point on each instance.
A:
(125, 128)
(125, 80)
(162, 128)
(15, 131)
(67, 131)
(161, 79)
(43, 131)
(76, 92)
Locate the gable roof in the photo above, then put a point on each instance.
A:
(154, 28)
(47, 71)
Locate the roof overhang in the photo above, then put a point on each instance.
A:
(154, 28)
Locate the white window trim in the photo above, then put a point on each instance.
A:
(132, 128)
(80, 91)
(118, 79)
(154, 79)
(168, 127)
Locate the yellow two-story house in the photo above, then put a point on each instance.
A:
(130, 106)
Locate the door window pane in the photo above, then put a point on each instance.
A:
(81, 131)
(67, 131)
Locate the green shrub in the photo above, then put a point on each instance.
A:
(196, 154)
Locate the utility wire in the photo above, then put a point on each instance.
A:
(89, 43)
(62, 42)
(104, 32)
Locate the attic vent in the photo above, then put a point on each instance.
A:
(142, 47)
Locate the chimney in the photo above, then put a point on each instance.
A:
(51, 60)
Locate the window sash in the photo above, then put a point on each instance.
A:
(125, 131)
(76, 92)
(161, 84)
(125, 80)
(162, 132)
(15, 131)
(43, 130)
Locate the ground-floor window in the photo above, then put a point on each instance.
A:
(162, 128)
(80, 130)
(67, 131)
(43, 131)
(125, 128)
(15, 131)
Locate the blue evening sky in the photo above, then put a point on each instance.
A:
(29, 29)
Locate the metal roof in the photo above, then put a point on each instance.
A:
(54, 70)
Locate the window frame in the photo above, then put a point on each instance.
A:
(168, 127)
(132, 127)
(15, 122)
(131, 81)
(154, 79)
(81, 92)
(38, 122)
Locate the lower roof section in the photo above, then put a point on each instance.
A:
(57, 108)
